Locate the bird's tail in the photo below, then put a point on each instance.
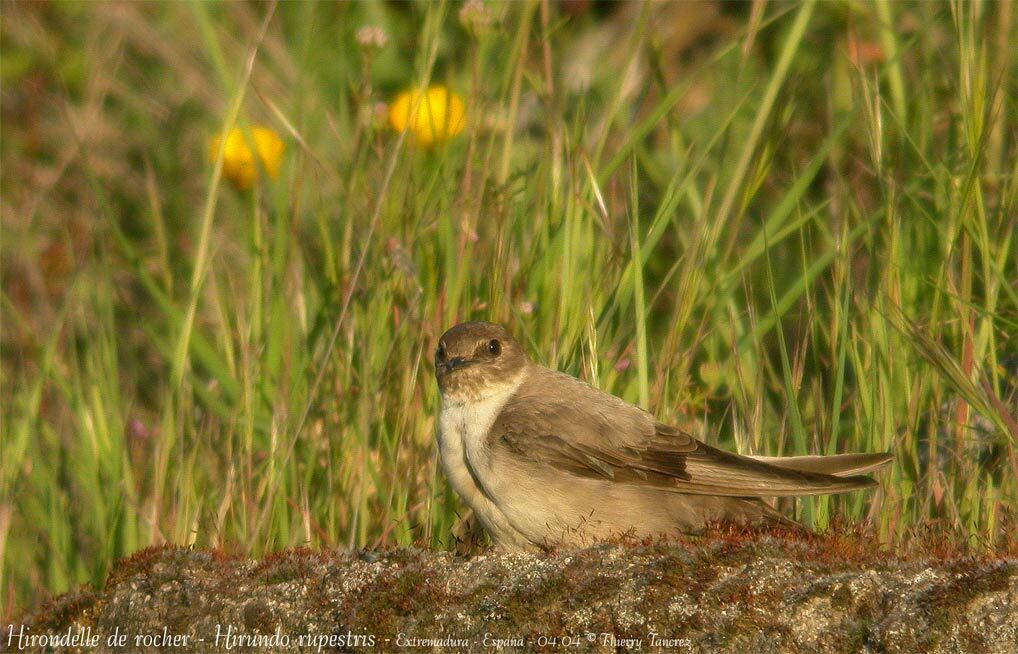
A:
(838, 465)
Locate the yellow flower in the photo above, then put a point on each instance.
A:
(432, 117)
(238, 164)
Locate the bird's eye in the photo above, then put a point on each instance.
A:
(494, 347)
(440, 353)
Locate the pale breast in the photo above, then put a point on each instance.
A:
(466, 460)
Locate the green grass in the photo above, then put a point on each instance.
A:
(790, 231)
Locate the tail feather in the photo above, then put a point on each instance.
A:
(838, 465)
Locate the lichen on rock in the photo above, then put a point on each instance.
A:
(768, 593)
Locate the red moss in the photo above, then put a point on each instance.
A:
(55, 613)
(140, 562)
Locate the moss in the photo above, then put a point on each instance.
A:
(139, 563)
(258, 617)
(737, 594)
(59, 613)
(384, 604)
(587, 583)
(668, 577)
(537, 603)
(841, 596)
(856, 636)
(481, 592)
(290, 565)
(968, 580)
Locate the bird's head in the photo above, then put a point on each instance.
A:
(477, 359)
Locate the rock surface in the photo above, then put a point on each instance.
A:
(763, 594)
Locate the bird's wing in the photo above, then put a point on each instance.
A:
(839, 465)
(587, 433)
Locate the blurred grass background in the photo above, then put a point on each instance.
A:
(788, 227)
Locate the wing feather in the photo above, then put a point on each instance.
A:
(617, 441)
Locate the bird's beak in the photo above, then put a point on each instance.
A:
(455, 362)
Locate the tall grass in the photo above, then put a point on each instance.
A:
(788, 228)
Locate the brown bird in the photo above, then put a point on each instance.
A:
(545, 459)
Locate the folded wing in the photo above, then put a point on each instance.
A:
(596, 435)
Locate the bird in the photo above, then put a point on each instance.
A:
(546, 460)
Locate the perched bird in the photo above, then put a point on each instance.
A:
(545, 459)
